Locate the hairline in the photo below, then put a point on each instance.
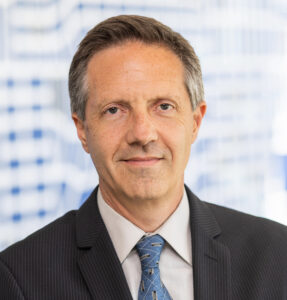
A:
(84, 80)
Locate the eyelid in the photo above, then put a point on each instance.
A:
(166, 101)
(169, 102)
(111, 105)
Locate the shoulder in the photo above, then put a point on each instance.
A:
(241, 230)
(45, 242)
(230, 222)
(42, 257)
(58, 241)
(232, 219)
(53, 230)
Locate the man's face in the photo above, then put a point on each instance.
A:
(139, 121)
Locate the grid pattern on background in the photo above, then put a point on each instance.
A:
(239, 159)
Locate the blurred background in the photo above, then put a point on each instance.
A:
(240, 157)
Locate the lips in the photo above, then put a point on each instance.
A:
(141, 158)
(142, 161)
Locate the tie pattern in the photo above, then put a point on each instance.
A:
(149, 250)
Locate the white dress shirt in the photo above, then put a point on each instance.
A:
(175, 260)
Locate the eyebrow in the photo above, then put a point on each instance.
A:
(127, 103)
(105, 102)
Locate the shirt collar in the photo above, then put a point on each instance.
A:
(176, 230)
(124, 234)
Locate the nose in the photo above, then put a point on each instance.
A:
(141, 129)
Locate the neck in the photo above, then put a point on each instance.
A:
(147, 214)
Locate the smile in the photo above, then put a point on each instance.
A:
(142, 161)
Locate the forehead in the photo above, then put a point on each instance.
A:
(135, 66)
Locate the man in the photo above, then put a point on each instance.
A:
(137, 103)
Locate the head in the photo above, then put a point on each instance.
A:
(136, 94)
(118, 30)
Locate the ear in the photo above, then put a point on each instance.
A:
(81, 131)
(198, 115)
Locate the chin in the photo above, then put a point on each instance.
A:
(146, 190)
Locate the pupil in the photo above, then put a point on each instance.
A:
(164, 106)
(113, 110)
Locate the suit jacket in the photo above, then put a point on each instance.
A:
(235, 256)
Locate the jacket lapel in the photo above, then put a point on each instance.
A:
(98, 262)
(102, 271)
(211, 259)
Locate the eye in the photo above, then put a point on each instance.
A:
(112, 110)
(165, 106)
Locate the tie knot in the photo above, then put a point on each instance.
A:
(149, 250)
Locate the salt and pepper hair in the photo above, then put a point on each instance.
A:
(118, 30)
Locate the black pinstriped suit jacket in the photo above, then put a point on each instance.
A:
(235, 256)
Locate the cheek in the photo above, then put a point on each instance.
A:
(103, 143)
(178, 139)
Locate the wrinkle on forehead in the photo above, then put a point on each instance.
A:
(132, 70)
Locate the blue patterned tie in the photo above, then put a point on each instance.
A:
(151, 287)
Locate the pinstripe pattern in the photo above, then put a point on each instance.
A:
(235, 257)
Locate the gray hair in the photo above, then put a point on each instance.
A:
(120, 29)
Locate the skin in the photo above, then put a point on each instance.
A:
(139, 128)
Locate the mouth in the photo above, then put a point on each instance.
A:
(142, 161)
